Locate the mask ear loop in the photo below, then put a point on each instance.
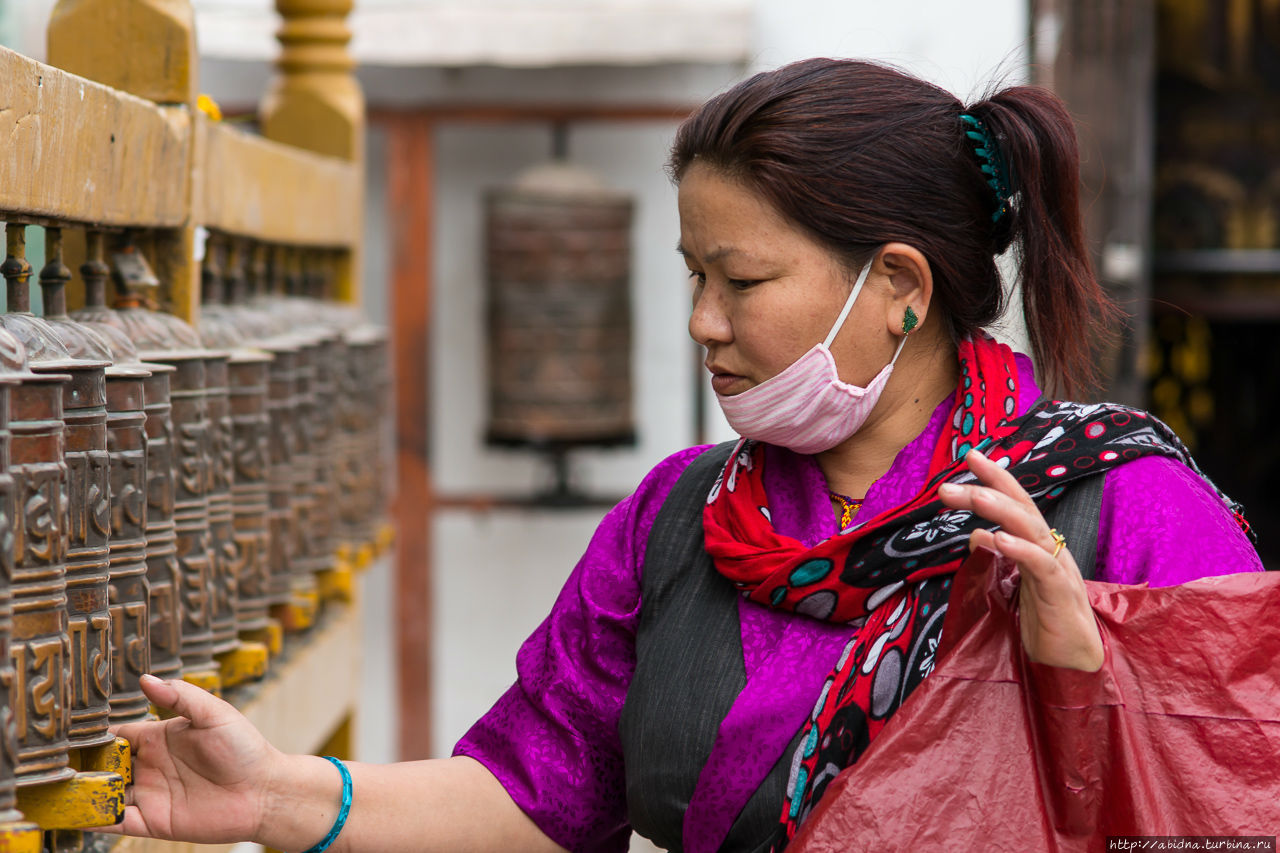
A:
(848, 304)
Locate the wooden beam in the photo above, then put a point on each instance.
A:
(75, 150)
(499, 113)
(257, 188)
(409, 209)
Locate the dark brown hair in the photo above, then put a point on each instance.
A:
(861, 154)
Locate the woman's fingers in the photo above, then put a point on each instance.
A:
(198, 705)
(1058, 625)
(1000, 499)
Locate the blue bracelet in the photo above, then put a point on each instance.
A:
(342, 812)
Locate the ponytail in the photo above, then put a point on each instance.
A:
(1069, 317)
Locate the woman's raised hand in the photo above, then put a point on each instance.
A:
(200, 776)
(1058, 625)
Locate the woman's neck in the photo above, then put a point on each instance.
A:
(915, 389)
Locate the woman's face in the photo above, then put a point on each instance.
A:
(764, 292)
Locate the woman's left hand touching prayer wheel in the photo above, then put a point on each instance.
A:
(1057, 623)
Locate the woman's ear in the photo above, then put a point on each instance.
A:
(910, 286)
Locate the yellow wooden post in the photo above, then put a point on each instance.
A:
(315, 101)
(146, 48)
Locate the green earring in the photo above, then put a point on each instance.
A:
(909, 321)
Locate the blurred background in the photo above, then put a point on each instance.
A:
(1176, 103)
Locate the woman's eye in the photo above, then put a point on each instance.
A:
(743, 283)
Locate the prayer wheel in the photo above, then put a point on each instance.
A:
(40, 647)
(129, 592)
(304, 559)
(159, 540)
(12, 367)
(84, 502)
(168, 340)
(250, 494)
(106, 470)
(282, 519)
(330, 355)
(244, 472)
(559, 258)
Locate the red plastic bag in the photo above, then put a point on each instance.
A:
(1177, 734)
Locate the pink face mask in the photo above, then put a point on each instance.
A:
(806, 407)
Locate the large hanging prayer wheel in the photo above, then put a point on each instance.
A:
(559, 261)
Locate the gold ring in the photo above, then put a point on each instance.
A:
(1059, 540)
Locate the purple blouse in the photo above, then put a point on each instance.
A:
(552, 739)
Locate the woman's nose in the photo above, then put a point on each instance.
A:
(708, 322)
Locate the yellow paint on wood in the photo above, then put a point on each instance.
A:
(113, 757)
(386, 537)
(365, 555)
(314, 101)
(179, 274)
(336, 584)
(271, 636)
(151, 845)
(144, 47)
(21, 837)
(300, 612)
(87, 799)
(77, 150)
(314, 689)
(206, 680)
(273, 192)
(246, 662)
(341, 743)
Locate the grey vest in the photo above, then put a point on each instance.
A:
(689, 663)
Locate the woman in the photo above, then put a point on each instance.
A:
(745, 623)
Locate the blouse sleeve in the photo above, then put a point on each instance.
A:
(1162, 524)
(552, 739)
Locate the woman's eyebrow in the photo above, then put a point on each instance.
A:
(714, 256)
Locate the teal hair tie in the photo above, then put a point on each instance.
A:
(991, 162)
(345, 810)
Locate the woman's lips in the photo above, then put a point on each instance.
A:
(726, 384)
